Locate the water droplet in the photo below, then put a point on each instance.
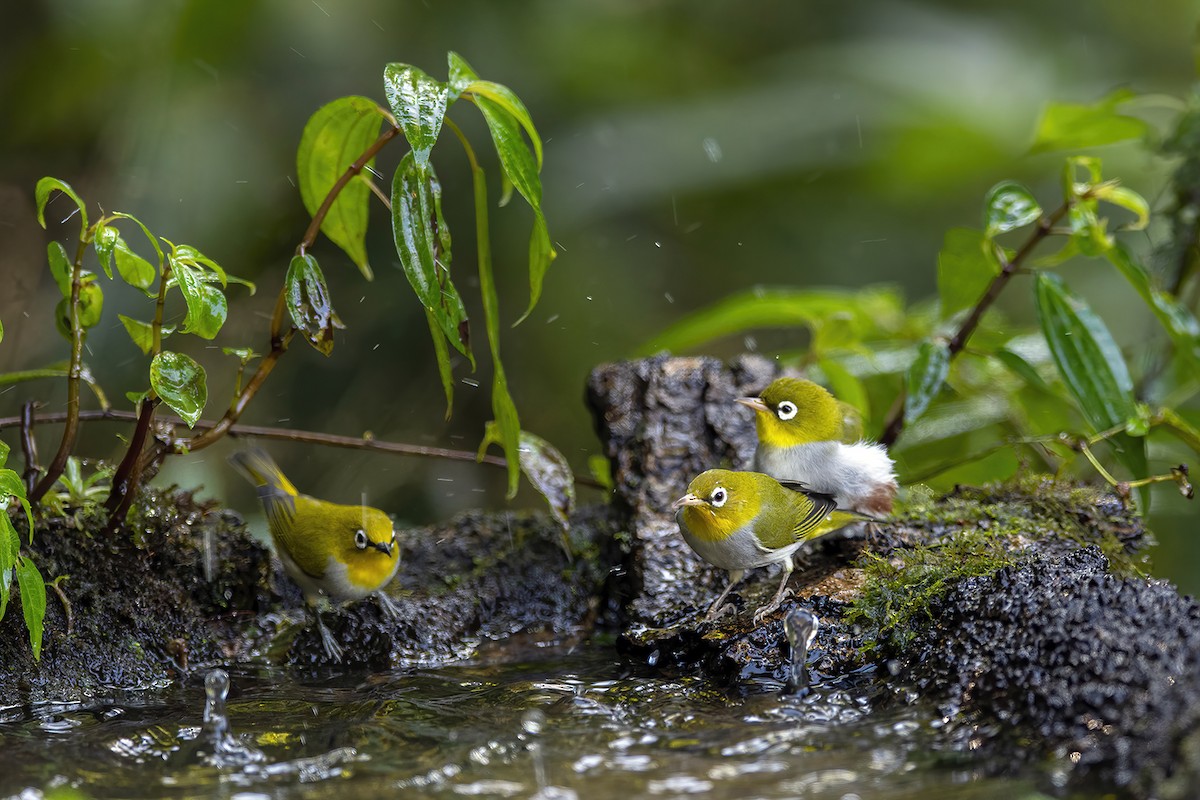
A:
(533, 721)
(652, 659)
(712, 149)
(800, 627)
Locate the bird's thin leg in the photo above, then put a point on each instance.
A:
(387, 606)
(332, 648)
(780, 593)
(715, 609)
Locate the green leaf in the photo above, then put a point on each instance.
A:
(1073, 126)
(504, 411)
(419, 103)
(1091, 366)
(10, 545)
(146, 231)
(180, 382)
(142, 333)
(1008, 206)
(421, 238)
(134, 270)
(187, 255)
(42, 194)
(601, 471)
(541, 253)
(207, 307)
(242, 354)
(333, 139)
(4, 450)
(546, 469)
(1022, 369)
(461, 74)
(91, 307)
(443, 360)
(965, 269)
(845, 386)
(60, 267)
(870, 310)
(1, 330)
(105, 242)
(33, 602)
(507, 100)
(1112, 192)
(309, 303)
(1176, 318)
(925, 378)
(516, 159)
(11, 486)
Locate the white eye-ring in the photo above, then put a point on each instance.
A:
(360, 539)
(718, 497)
(786, 410)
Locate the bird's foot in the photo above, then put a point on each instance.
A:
(718, 611)
(772, 606)
(332, 649)
(387, 606)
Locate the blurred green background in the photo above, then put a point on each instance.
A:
(693, 149)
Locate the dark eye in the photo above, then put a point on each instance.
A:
(360, 539)
(786, 410)
(718, 497)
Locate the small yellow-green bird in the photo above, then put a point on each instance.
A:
(801, 432)
(742, 520)
(339, 552)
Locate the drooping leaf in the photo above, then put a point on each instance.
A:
(1008, 206)
(146, 231)
(461, 73)
(419, 103)
(42, 194)
(516, 159)
(333, 139)
(11, 486)
(507, 100)
(105, 242)
(33, 602)
(1123, 196)
(546, 469)
(309, 303)
(207, 307)
(871, 310)
(1022, 369)
(142, 333)
(133, 269)
(1073, 126)
(443, 360)
(1176, 318)
(965, 269)
(60, 267)
(181, 383)
(1091, 366)
(10, 545)
(925, 378)
(420, 234)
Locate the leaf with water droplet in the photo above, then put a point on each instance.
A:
(104, 242)
(33, 602)
(419, 103)
(45, 187)
(1007, 206)
(142, 333)
(309, 304)
(546, 469)
(207, 307)
(925, 378)
(181, 383)
(964, 269)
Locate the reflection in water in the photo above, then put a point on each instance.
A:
(579, 724)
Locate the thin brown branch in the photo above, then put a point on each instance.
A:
(71, 429)
(129, 472)
(1008, 268)
(293, 435)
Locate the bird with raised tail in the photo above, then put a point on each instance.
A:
(331, 551)
(801, 430)
(742, 520)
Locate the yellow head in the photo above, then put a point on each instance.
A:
(360, 537)
(792, 411)
(719, 502)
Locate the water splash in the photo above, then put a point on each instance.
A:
(219, 747)
(800, 627)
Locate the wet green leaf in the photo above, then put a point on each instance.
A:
(91, 306)
(546, 469)
(516, 159)
(421, 236)
(333, 139)
(11, 486)
(925, 379)
(146, 231)
(419, 103)
(33, 602)
(309, 303)
(180, 382)
(872, 310)
(42, 193)
(1008, 206)
(242, 354)
(506, 99)
(207, 307)
(133, 269)
(1123, 196)
(10, 545)
(508, 425)
(1072, 126)
(142, 333)
(965, 269)
(187, 255)
(1091, 366)
(105, 242)
(60, 267)
(461, 73)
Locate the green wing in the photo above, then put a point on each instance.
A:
(796, 514)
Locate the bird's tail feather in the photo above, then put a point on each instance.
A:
(274, 489)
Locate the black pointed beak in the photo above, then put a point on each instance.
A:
(383, 547)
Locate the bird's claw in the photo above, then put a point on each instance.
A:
(387, 606)
(332, 649)
(717, 612)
